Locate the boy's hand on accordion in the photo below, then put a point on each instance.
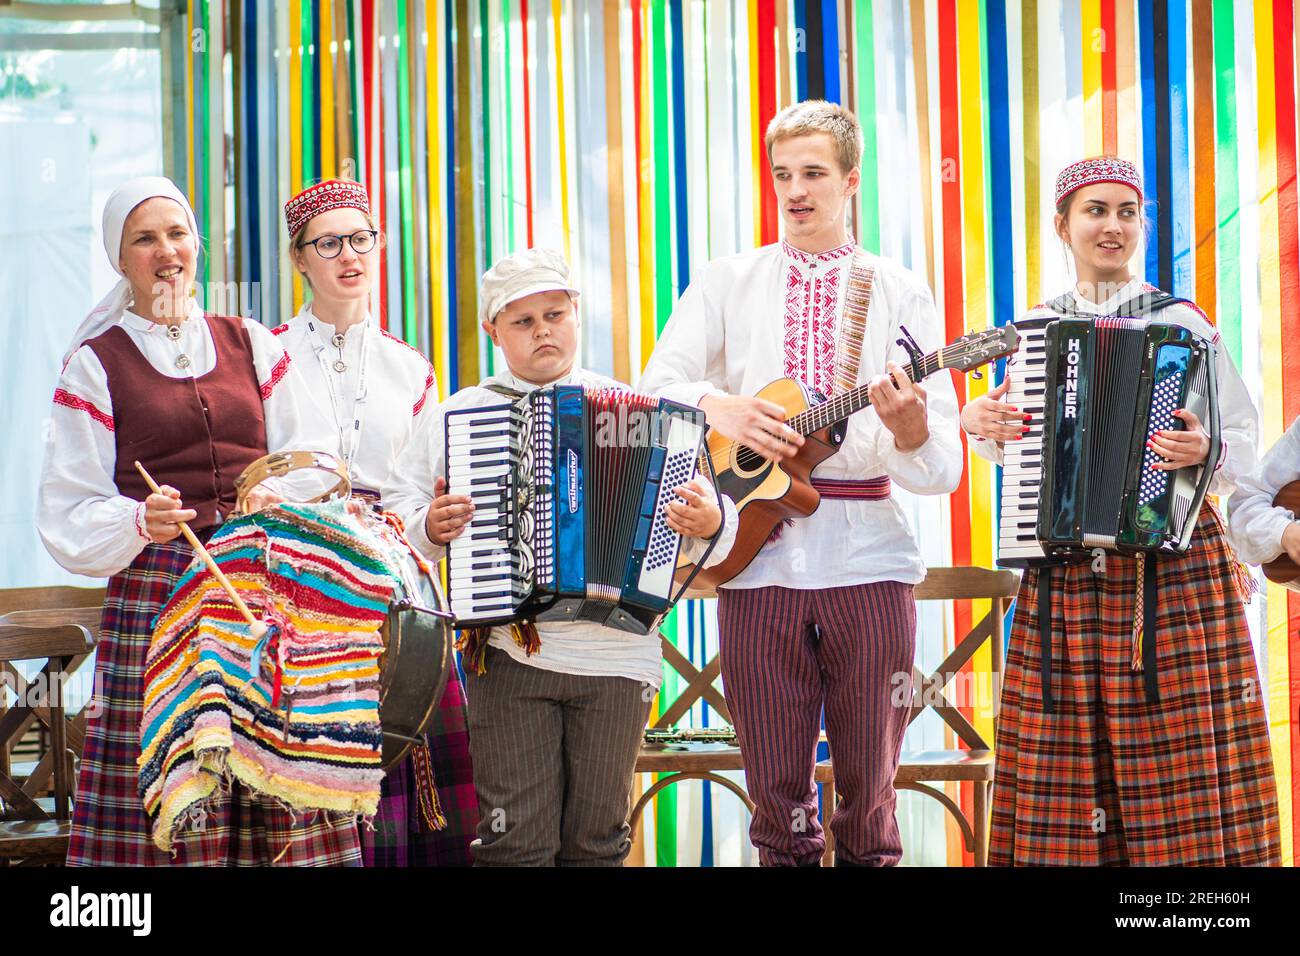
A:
(1181, 448)
(448, 514)
(990, 417)
(698, 515)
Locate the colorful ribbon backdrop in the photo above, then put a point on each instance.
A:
(627, 133)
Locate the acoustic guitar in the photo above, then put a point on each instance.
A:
(767, 493)
(1283, 570)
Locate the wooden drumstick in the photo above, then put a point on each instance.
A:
(255, 627)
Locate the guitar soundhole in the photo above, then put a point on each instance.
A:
(748, 461)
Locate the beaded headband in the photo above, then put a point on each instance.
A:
(1097, 169)
(314, 200)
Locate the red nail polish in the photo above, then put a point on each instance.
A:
(1028, 417)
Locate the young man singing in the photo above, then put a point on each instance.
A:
(823, 619)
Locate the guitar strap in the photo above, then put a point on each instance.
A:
(853, 323)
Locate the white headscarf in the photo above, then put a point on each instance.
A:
(120, 204)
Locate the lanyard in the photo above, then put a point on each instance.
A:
(347, 449)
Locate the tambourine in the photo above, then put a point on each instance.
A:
(282, 463)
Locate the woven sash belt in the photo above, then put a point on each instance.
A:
(837, 489)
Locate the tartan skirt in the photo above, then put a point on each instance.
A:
(109, 825)
(1109, 778)
(399, 835)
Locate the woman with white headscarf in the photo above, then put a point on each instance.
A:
(195, 398)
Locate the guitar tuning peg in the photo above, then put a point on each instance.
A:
(977, 374)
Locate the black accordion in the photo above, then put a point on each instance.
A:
(570, 486)
(1081, 479)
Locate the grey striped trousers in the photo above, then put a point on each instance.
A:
(553, 756)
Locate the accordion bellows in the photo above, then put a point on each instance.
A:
(295, 716)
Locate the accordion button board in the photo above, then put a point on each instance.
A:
(571, 487)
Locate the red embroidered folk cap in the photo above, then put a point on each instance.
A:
(322, 197)
(1097, 169)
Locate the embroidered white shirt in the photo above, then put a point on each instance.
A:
(400, 387)
(88, 527)
(749, 319)
(569, 648)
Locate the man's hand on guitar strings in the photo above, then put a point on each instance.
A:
(448, 514)
(901, 405)
(697, 515)
(753, 422)
(990, 417)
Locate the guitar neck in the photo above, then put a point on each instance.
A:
(840, 407)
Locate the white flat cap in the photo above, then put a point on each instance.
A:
(520, 274)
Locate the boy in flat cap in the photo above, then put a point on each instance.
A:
(554, 728)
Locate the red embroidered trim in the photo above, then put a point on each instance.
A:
(280, 329)
(810, 321)
(277, 373)
(389, 335)
(66, 398)
(428, 384)
(825, 295)
(830, 255)
(139, 522)
(429, 376)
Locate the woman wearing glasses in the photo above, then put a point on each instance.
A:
(378, 389)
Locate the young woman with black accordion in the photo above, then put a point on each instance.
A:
(1124, 744)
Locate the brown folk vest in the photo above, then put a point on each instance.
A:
(195, 434)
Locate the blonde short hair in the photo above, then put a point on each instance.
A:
(819, 116)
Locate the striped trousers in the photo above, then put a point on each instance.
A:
(790, 655)
(553, 757)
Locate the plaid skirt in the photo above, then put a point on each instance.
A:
(1108, 778)
(109, 825)
(399, 835)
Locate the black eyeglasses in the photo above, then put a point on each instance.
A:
(328, 247)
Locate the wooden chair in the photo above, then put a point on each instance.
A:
(918, 769)
(57, 626)
(689, 761)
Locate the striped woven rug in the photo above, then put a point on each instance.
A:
(294, 715)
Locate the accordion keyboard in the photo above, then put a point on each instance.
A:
(488, 572)
(1022, 467)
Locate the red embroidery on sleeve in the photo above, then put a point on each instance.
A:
(429, 376)
(277, 373)
(428, 384)
(280, 329)
(67, 399)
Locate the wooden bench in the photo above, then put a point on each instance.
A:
(917, 769)
(56, 626)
